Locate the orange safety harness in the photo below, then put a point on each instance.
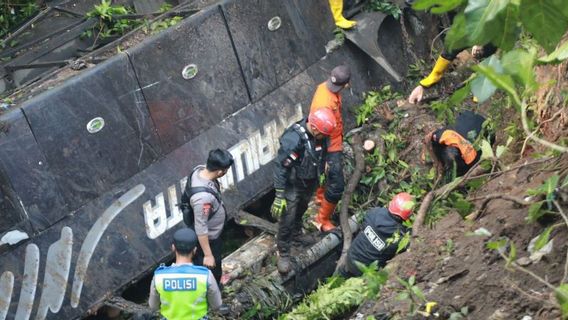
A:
(454, 139)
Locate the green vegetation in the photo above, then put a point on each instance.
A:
(384, 6)
(507, 24)
(373, 99)
(109, 24)
(161, 25)
(13, 13)
(112, 23)
(338, 296)
(411, 293)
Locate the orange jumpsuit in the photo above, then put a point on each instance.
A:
(324, 98)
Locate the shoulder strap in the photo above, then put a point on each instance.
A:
(193, 190)
(190, 191)
(304, 136)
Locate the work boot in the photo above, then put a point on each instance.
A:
(322, 221)
(301, 239)
(440, 67)
(283, 264)
(337, 11)
(319, 196)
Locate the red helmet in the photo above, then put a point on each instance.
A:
(402, 205)
(323, 119)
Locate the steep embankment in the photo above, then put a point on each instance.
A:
(486, 268)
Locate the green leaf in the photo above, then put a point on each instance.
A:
(512, 254)
(500, 151)
(505, 27)
(502, 81)
(486, 150)
(551, 183)
(417, 292)
(460, 95)
(403, 243)
(534, 212)
(561, 294)
(403, 296)
(545, 20)
(480, 16)
(457, 36)
(520, 64)
(557, 56)
(438, 6)
(542, 239)
(463, 207)
(496, 245)
(482, 87)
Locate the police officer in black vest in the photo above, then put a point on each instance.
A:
(379, 236)
(300, 161)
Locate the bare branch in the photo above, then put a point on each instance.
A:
(346, 198)
(530, 134)
(488, 198)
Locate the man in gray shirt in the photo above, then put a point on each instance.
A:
(209, 212)
(183, 290)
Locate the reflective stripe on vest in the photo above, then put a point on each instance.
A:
(454, 139)
(183, 291)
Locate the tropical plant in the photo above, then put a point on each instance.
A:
(339, 295)
(503, 23)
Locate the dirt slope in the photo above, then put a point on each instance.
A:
(456, 270)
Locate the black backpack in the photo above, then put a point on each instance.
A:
(185, 205)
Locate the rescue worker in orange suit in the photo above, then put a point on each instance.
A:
(374, 242)
(300, 161)
(183, 290)
(328, 96)
(452, 147)
(336, 7)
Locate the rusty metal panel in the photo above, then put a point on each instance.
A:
(214, 89)
(95, 131)
(276, 40)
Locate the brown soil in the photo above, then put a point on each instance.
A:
(456, 270)
(453, 267)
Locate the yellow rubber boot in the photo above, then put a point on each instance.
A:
(440, 67)
(337, 11)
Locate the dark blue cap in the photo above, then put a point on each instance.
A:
(185, 239)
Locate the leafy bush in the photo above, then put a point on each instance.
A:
(15, 12)
(372, 100)
(385, 7)
(338, 295)
(109, 25)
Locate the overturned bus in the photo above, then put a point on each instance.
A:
(92, 166)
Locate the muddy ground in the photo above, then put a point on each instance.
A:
(454, 268)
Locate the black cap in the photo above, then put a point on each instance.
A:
(339, 77)
(185, 239)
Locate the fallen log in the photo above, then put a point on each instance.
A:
(244, 218)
